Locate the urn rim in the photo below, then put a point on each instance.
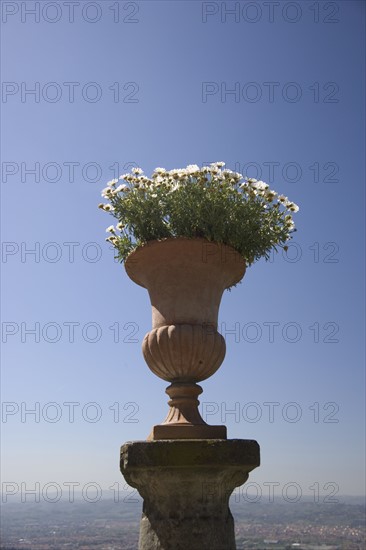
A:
(139, 254)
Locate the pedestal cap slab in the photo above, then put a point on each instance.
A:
(190, 453)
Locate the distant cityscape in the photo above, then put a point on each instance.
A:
(110, 525)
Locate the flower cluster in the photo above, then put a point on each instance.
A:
(211, 202)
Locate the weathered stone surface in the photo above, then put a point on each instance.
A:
(186, 485)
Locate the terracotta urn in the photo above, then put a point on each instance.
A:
(185, 279)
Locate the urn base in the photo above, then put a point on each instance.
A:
(187, 431)
(184, 420)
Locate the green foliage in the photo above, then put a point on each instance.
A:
(209, 202)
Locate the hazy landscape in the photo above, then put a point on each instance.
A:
(110, 525)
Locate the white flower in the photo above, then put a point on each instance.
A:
(179, 173)
(192, 169)
(107, 191)
(289, 222)
(174, 187)
(120, 226)
(110, 229)
(136, 171)
(120, 188)
(291, 206)
(124, 176)
(270, 195)
(251, 180)
(217, 164)
(112, 182)
(259, 185)
(282, 198)
(108, 207)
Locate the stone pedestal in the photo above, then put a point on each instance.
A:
(186, 485)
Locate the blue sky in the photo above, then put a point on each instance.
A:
(275, 94)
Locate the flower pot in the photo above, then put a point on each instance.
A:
(185, 279)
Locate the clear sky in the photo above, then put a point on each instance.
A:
(274, 89)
